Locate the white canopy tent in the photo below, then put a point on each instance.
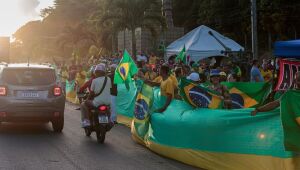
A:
(203, 42)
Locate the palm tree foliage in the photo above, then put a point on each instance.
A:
(79, 24)
(133, 14)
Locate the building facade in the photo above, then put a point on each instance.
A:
(145, 42)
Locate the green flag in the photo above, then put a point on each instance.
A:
(125, 70)
(290, 111)
(182, 55)
(162, 47)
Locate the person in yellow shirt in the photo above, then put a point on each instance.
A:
(174, 80)
(81, 77)
(150, 74)
(152, 59)
(167, 87)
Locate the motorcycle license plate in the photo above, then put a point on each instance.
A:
(103, 119)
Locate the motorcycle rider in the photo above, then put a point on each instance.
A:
(96, 97)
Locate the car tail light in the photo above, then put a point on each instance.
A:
(57, 91)
(3, 91)
(56, 114)
(3, 114)
(103, 108)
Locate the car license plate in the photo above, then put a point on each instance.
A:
(103, 119)
(30, 94)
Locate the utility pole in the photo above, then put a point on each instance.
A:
(254, 29)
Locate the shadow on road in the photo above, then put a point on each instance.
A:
(26, 129)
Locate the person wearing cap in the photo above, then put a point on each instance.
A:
(218, 87)
(194, 77)
(102, 99)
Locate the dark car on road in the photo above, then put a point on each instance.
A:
(31, 93)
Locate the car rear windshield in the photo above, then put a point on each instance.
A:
(28, 76)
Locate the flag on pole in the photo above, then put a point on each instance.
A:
(162, 47)
(182, 55)
(125, 70)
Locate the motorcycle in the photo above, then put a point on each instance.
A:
(100, 122)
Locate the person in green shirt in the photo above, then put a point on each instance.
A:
(275, 104)
(236, 70)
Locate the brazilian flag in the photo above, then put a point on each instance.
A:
(144, 101)
(243, 95)
(248, 95)
(125, 70)
(200, 96)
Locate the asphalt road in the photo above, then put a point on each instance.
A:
(35, 146)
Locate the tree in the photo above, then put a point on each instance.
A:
(132, 14)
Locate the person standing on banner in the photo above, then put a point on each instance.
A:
(113, 93)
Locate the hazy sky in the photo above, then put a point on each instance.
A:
(15, 13)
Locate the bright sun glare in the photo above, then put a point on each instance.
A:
(15, 13)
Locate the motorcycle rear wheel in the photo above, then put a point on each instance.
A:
(100, 136)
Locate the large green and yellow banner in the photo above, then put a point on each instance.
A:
(211, 138)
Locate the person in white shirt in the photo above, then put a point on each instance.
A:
(96, 99)
(142, 58)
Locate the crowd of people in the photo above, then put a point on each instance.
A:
(156, 71)
(207, 72)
